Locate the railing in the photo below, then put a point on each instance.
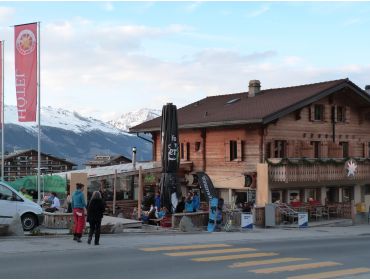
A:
(316, 172)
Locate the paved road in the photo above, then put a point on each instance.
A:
(187, 256)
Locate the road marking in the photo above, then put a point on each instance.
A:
(173, 248)
(331, 274)
(263, 262)
(233, 257)
(294, 267)
(210, 252)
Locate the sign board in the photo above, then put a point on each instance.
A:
(302, 219)
(247, 220)
(78, 178)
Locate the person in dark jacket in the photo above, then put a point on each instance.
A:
(180, 206)
(95, 212)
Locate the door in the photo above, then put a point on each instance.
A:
(8, 205)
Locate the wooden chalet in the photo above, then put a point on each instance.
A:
(299, 142)
(106, 160)
(24, 163)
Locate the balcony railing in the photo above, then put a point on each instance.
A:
(313, 170)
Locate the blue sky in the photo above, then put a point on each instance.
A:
(103, 59)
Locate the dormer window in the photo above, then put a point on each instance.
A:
(319, 112)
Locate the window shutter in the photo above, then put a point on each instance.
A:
(227, 150)
(348, 114)
(335, 112)
(312, 113)
(327, 113)
(239, 150)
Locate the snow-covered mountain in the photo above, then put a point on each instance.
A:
(71, 136)
(131, 119)
(61, 118)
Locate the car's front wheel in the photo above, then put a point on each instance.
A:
(29, 221)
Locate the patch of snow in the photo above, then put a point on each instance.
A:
(131, 119)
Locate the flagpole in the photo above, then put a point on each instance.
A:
(2, 111)
(38, 116)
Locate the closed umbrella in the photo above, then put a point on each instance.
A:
(170, 189)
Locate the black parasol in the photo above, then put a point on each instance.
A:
(170, 157)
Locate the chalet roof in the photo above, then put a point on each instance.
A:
(238, 108)
(106, 160)
(25, 152)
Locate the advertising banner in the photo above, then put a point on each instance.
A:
(247, 220)
(25, 42)
(303, 219)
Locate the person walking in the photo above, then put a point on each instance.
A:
(78, 206)
(95, 212)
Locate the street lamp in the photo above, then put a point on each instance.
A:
(134, 157)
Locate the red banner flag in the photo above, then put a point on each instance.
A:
(25, 39)
(1, 83)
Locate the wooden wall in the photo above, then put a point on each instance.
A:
(300, 132)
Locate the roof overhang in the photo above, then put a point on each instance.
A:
(204, 125)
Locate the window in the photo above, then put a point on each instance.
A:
(319, 112)
(188, 151)
(340, 114)
(368, 146)
(197, 146)
(345, 149)
(280, 149)
(6, 194)
(347, 193)
(182, 150)
(316, 148)
(233, 150)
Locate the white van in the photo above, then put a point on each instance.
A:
(12, 202)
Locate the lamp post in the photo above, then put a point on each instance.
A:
(134, 157)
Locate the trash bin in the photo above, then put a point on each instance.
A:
(270, 220)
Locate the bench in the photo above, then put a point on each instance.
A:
(58, 220)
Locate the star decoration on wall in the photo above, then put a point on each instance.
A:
(351, 168)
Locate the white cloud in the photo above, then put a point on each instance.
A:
(6, 13)
(104, 70)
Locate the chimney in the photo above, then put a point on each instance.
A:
(367, 89)
(134, 157)
(254, 88)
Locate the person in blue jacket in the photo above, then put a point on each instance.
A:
(196, 201)
(189, 206)
(157, 200)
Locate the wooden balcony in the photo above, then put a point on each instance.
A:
(309, 170)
